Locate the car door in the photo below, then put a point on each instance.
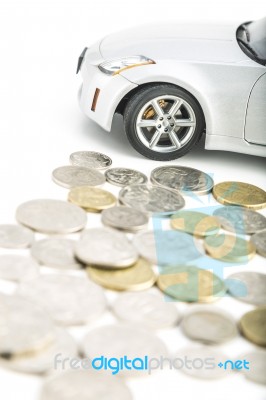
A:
(255, 126)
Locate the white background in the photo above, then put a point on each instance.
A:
(40, 125)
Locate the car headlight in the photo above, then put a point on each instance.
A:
(114, 67)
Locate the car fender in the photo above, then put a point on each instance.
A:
(217, 88)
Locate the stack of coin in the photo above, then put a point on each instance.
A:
(188, 180)
(195, 223)
(105, 247)
(151, 199)
(240, 220)
(139, 276)
(124, 255)
(91, 199)
(90, 159)
(125, 176)
(209, 325)
(259, 241)
(125, 218)
(253, 326)
(191, 284)
(69, 300)
(229, 248)
(240, 194)
(29, 339)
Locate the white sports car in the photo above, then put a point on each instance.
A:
(174, 82)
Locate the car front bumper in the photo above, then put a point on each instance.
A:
(100, 94)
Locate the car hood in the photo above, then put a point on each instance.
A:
(188, 42)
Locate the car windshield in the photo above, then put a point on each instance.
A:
(251, 37)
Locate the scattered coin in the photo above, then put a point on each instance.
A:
(202, 363)
(55, 252)
(248, 287)
(259, 241)
(147, 309)
(15, 236)
(195, 223)
(257, 362)
(138, 277)
(125, 218)
(29, 339)
(69, 300)
(15, 267)
(253, 326)
(240, 220)
(25, 327)
(166, 247)
(84, 385)
(51, 216)
(209, 325)
(151, 199)
(182, 178)
(229, 248)
(91, 199)
(125, 176)
(105, 247)
(240, 194)
(190, 284)
(72, 176)
(44, 360)
(90, 159)
(120, 340)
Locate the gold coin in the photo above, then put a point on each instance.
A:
(229, 248)
(253, 326)
(190, 284)
(241, 194)
(195, 223)
(91, 199)
(138, 277)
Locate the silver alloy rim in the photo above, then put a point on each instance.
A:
(165, 124)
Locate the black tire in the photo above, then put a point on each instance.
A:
(138, 101)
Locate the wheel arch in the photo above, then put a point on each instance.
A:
(123, 102)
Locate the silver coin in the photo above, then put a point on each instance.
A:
(248, 287)
(125, 218)
(201, 362)
(182, 178)
(240, 219)
(257, 366)
(24, 327)
(15, 267)
(151, 199)
(84, 385)
(69, 300)
(120, 340)
(166, 247)
(105, 247)
(55, 252)
(15, 236)
(209, 325)
(44, 360)
(259, 240)
(125, 176)
(147, 309)
(72, 176)
(51, 216)
(90, 159)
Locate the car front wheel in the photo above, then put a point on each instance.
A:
(163, 122)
